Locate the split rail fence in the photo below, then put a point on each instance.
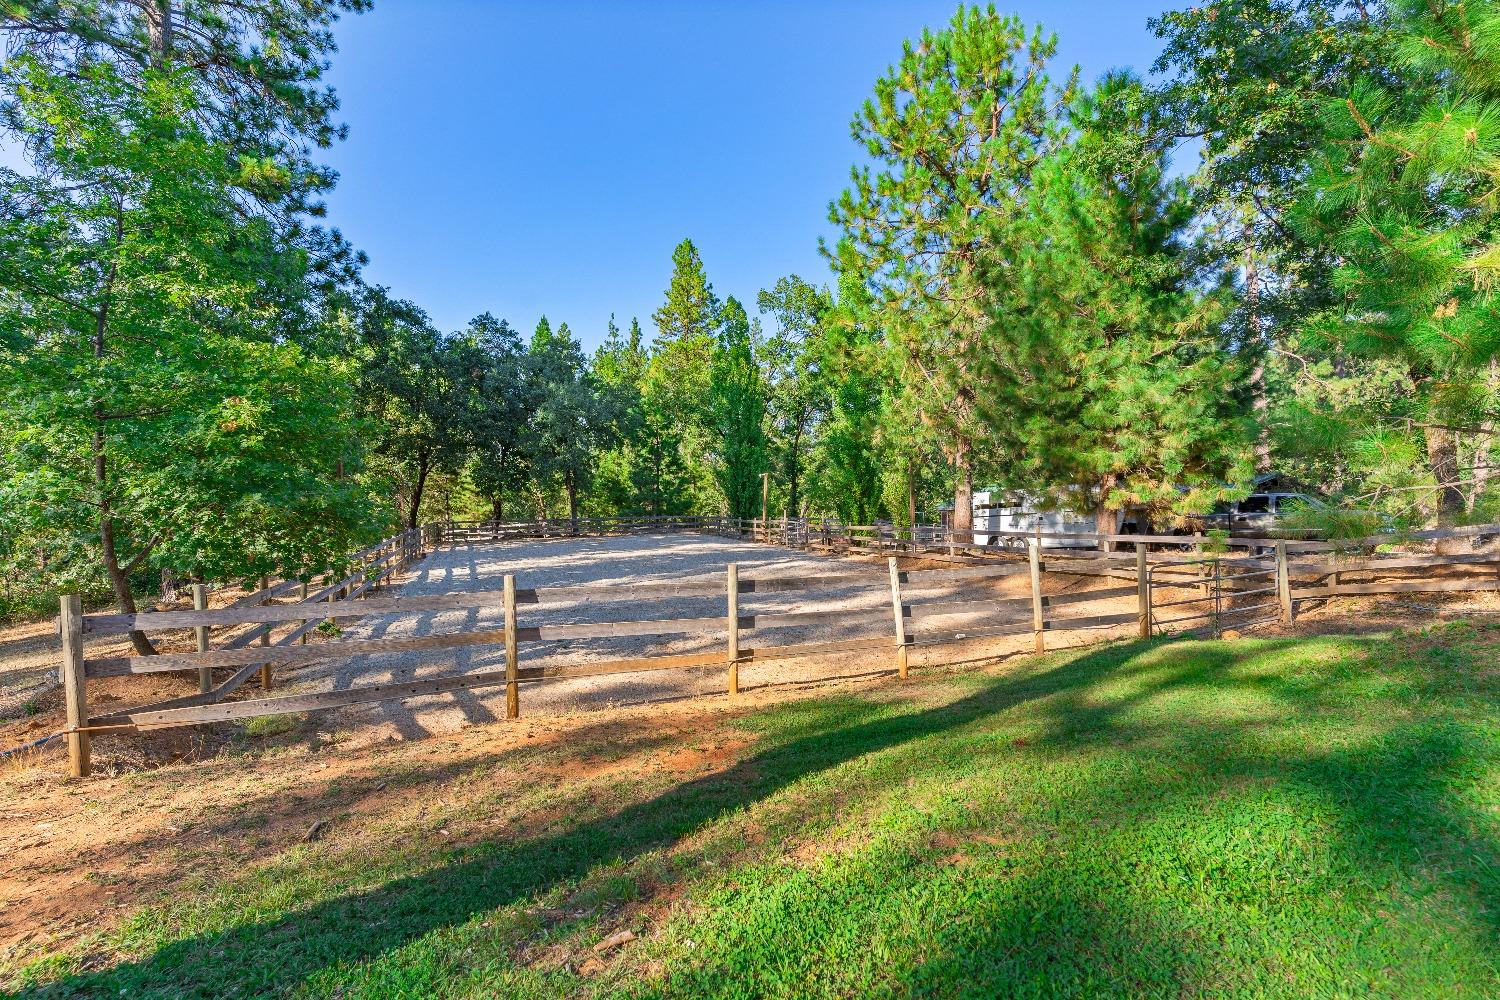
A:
(1154, 575)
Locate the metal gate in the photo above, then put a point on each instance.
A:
(1227, 594)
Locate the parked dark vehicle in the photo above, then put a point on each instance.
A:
(1258, 513)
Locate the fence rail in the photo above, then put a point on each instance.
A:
(1264, 567)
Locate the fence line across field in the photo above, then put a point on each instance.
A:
(1220, 584)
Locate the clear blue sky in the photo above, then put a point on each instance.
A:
(544, 157)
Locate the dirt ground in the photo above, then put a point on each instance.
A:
(647, 559)
(78, 856)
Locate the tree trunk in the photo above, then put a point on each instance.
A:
(496, 512)
(656, 485)
(119, 583)
(572, 502)
(1484, 447)
(424, 461)
(1106, 522)
(1261, 403)
(963, 495)
(911, 498)
(159, 28)
(119, 579)
(1442, 459)
(794, 473)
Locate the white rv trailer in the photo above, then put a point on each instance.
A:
(996, 511)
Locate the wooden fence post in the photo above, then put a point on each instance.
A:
(265, 640)
(900, 615)
(765, 507)
(75, 685)
(1038, 623)
(302, 599)
(1202, 567)
(1143, 589)
(512, 665)
(732, 625)
(1283, 583)
(200, 632)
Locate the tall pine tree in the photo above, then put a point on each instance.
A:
(1120, 390)
(738, 404)
(955, 130)
(675, 398)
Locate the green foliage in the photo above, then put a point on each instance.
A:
(796, 387)
(251, 71)
(1347, 183)
(1402, 191)
(426, 393)
(846, 459)
(164, 403)
(503, 400)
(1112, 386)
(677, 470)
(955, 130)
(619, 372)
(570, 422)
(738, 406)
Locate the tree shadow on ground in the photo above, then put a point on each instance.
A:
(1138, 955)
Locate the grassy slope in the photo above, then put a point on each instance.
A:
(1252, 818)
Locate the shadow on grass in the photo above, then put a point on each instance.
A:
(1372, 785)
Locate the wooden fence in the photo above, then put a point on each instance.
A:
(370, 568)
(904, 623)
(825, 535)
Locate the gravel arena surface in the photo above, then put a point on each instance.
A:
(616, 560)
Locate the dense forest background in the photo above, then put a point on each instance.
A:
(196, 383)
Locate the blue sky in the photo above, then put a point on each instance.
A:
(545, 157)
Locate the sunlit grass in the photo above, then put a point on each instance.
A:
(1255, 818)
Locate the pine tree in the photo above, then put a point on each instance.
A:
(1120, 390)
(1247, 79)
(954, 130)
(738, 405)
(1403, 190)
(691, 312)
(675, 397)
(619, 371)
(857, 370)
(166, 298)
(570, 423)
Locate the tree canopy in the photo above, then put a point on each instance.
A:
(1029, 290)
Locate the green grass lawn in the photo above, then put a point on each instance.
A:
(1309, 817)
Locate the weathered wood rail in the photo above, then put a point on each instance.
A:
(370, 568)
(904, 623)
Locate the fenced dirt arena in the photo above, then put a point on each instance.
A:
(414, 638)
(623, 561)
